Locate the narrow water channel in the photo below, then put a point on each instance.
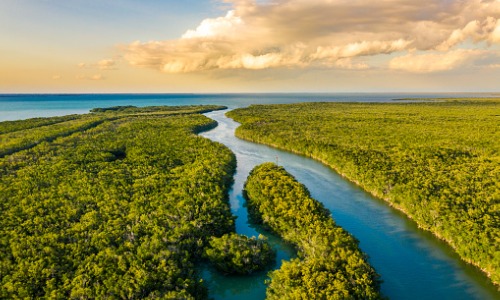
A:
(413, 264)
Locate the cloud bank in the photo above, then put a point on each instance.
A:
(425, 36)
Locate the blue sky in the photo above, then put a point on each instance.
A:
(249, 46)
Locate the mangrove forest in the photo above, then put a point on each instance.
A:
(437, 161)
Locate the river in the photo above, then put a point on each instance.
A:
(413, 264)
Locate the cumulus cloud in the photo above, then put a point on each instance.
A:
(219, 27)
(486, 30)
(326, 33)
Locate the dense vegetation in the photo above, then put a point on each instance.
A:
(114, 204)
(155, 109)
(237, 254)
(15, 141)
(11, 126)
(439, 162)
(331, 266)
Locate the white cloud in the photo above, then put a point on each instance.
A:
(223, 26)
(325, 33)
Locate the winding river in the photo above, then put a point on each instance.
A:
(413, 264)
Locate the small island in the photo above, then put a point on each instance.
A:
(330, 263)
(237, 254)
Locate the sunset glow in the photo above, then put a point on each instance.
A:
(249, 46)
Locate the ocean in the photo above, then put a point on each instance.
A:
(23, 106)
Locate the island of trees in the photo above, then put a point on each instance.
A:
(118, 203)
(330, 264)
(439, 162)
(237, 254)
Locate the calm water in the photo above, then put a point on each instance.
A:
(413, 264)
(14, 107)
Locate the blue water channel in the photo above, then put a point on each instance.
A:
(413, 263)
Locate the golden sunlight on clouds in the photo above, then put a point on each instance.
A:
(425, 36)
(106, 64)
(434, 62)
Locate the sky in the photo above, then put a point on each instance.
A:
(219, 46)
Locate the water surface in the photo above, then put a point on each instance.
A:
(22, 106)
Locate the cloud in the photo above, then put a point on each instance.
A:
(437, 62)
(486, 30)
(106, 64)
(215, 27)
(325, 34)
(56, 77)
(495, 35)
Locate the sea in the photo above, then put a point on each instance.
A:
(24, 106)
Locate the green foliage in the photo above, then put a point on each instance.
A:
(237, 254)
(438, 162)
(113, 108)
(332, 265)
(170, 110)
(24, 139)
(11, 126)
(122, 209)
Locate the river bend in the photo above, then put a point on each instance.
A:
(413, 263)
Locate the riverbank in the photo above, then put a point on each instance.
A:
(372, 146)
(389, 202)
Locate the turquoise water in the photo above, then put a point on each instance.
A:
(21, 106)
(413, 264)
